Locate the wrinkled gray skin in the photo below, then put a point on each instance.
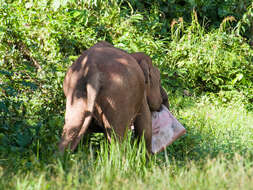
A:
(114, 88)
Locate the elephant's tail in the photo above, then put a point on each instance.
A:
(92, 87)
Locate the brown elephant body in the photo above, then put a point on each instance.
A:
(112, 87)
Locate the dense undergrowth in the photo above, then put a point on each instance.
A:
(204, 52)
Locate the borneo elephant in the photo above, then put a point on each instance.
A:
(113, 87)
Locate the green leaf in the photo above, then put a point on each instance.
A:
(237, 78)
(76, 13)
(3, 107)
(7, 73)
(23, 140)
(28, 5)
(56, 4)
(32, 85)
(136, 18)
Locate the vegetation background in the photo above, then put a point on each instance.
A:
(204, 50)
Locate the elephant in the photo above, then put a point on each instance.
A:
(140, 57)
(114, 88)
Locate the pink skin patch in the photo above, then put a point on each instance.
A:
(165, 129)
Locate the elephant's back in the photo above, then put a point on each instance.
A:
(118, 68)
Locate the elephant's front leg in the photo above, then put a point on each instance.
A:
(143, 125)
(74, 117)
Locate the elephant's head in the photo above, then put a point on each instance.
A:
(155, 93)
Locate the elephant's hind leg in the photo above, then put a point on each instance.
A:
(117, 127)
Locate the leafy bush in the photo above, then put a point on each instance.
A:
(213, 10)
(213, 61)
(203, 51)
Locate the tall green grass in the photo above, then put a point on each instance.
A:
(216, 153)
(215, 174)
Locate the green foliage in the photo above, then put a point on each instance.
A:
(245, 25)
(216, 61)
(203, 50)
(212, 10)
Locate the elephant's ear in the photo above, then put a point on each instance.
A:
(142, 61)
(146, 70)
